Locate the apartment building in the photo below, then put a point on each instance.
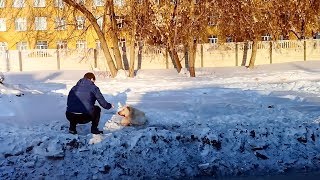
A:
(50, 24)
(45, 24)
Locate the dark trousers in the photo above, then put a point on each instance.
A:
(75, 119)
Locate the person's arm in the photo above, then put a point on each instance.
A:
(101, 99)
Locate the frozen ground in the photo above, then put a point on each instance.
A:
(225, 122)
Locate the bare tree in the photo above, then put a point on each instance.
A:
(132, 18)
(113, 32)
(195, 20)
(245, 21)
(300, 18)
(165, 25)
(191, 39)
(78, 5)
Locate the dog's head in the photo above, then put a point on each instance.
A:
(125, 111)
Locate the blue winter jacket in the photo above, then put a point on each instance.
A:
(82, 97)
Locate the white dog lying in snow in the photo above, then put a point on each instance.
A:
(132, 116)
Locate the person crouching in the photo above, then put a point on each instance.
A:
(81, 108)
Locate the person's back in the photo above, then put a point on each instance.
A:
(81, 98)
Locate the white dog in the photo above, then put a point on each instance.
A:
(132, 116)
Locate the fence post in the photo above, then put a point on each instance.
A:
(270, 51)
(201, 55)
(7, 60)
(304, 50)
(237, 58)
(95, 56)
(20, 60)
(58, 58)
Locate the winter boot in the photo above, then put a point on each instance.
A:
(96, 131)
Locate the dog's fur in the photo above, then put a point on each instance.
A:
(132, 116)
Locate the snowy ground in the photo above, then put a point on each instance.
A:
(225, 122)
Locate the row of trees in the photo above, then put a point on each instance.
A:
(170, 23)
(246, 20)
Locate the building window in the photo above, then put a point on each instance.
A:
(174, 1)
(60, 24)
(40, 23)
(3, 46)
(39, 3)
(2, 3)
(316, 35)
(229, 39)
(62, 44)
(266, 37)
(80, 1)
(22, 45)
(98, 44)
(42, 45)
(81, 44)
(122, 42)
(212, 20)
(21, 24)
(80, 22)
(283, 37)
(100, 21)
(120, 21)
(59, 4)
(156, 2)
(3, 26)
(213, 39)
(18, 3)
(98, 3)
(119, 2)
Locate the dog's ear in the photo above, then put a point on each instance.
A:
(131, 111)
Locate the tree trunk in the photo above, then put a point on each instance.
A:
(192, 53)
(245, 54)
(175, 57)
(132, 52)
(253, 54)
(100, 34)
(191, 43)
(116, 50)
(114, 38)
(172, 40)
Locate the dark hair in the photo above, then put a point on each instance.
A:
(90, 75)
